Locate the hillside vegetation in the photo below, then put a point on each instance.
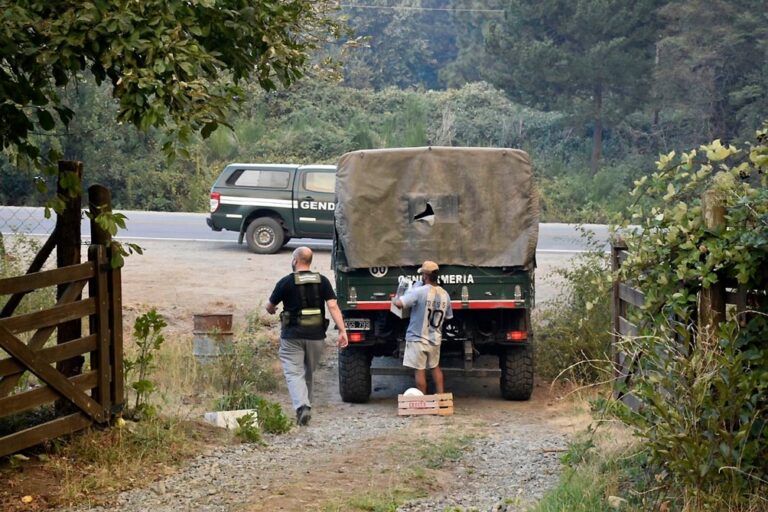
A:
(593, 90)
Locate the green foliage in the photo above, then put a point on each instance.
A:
(243, 366)
(268, 417)
(147, 334)
(573, 330)
(598, 478)
(160, 75)
(589, 59)
(708, 83)
(705, 416)
(248, 429)
(272, 419)
(434, 455)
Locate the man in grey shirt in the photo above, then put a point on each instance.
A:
(430, 306)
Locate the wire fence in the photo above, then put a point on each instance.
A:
(25, 220)
(23, 230)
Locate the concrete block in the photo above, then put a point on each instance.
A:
(227, 419)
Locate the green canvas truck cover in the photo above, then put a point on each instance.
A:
(455, 206)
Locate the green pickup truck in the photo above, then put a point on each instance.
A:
(475, 212)
(268, 204)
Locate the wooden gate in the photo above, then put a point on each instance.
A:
(47, 369)
(625, 297)
(97, 390)
(712, 304)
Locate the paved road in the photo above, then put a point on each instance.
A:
(553, 237)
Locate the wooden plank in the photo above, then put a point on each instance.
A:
(49, 375)
(27, 400)
(631, 295)
(425, 412)
(55, 277)
(100, 324)
(35, 435)
(422, 398)
(627, 328)
(117, 387)
(40, 337)
(631, 401)
(49, 317)
(52, 354)
(616, 304)
(37, 263)
(430, 403)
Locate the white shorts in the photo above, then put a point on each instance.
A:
(421, 356)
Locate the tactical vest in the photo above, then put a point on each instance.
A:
(311, 309)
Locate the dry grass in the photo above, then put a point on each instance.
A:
(92, 467)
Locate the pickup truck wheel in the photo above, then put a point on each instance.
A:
(516, 365)
(354, 375)
(264, 235)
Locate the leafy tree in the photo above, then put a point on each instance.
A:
(712, 77)
(473, 18)
(407, 44)
(703, 385)
(589, 58)
(174, 65)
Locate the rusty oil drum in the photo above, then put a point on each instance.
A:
(211, 335)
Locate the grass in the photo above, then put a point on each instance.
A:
(435, 455)
(91, 467)
(384, 501)
(599, 466)
(415, 477)
(374, 500)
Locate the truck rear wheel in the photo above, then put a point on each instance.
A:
(264, 235)
(354, 375)
(516, 365)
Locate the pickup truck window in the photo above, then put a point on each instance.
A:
(320, 182)
(260, 178)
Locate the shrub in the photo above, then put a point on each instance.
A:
(704, 413)
(573, 330)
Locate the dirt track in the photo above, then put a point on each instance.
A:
(347, 447)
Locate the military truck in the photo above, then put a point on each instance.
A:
(475, 212)
(268, 204)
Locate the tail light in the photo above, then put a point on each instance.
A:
(356, 337)
(215, 201)
(517, 335)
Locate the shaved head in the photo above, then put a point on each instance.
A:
(303, 255)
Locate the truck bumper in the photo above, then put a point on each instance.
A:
(459, 372)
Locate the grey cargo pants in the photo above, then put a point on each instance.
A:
(300, 358)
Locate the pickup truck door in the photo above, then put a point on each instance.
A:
(315, 198)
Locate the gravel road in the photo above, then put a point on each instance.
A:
(510, 454)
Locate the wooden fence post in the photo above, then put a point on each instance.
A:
(617, 312)
(712, 299)
(68, 253)
(100, 201)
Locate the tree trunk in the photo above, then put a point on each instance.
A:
(597, 137)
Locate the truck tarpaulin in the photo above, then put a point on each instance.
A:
(456, 206)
